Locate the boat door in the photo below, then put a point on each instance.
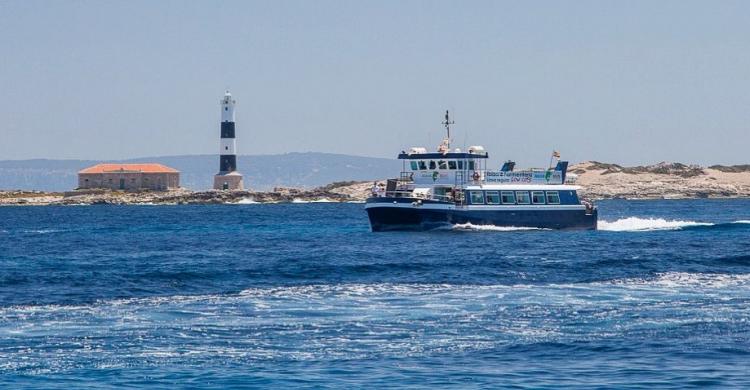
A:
(122, 184)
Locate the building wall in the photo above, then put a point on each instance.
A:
(129, 180)
(231, 182)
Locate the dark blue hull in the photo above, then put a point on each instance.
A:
(390, 214)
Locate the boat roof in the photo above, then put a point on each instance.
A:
(437, 155)
(522, 187)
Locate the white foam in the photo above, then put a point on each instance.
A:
(43, 231)
(319, 200)
(742, 221)
(687, 280)
(635, 224)
(492, 228)
(322, 200)
(248, 200)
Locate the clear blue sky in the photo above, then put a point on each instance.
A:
(631, 82)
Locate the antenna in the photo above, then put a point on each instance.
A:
(446, 145)
(448, 122)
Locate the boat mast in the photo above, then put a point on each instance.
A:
(445, 147)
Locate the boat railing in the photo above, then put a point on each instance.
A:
(412, 194)
(399, 194)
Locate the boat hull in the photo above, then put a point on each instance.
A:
(413, 214)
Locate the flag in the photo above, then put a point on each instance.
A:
(555, 154)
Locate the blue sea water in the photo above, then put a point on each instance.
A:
(304, 295)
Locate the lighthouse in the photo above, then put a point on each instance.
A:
(228, 178)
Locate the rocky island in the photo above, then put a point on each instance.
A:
(336, 192)
(598, 181)
(661, 181)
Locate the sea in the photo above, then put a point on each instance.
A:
(303, 295)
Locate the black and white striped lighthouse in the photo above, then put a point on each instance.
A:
(228, 178)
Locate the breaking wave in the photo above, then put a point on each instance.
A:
(687, 280)
(319, 200)
(249, 200)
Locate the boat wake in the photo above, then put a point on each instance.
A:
(491, 228)
(630, 224)
(635, 224)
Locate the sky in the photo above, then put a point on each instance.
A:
(629, 82)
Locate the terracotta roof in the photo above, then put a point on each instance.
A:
(144, 168)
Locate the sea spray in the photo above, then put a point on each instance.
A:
(634, 224)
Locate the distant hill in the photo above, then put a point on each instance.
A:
(262, 172)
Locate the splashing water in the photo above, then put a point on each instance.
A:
(248, 200)
(491, 228)
(635, 224)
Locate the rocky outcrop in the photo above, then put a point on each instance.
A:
(278, 195)
(661, 181)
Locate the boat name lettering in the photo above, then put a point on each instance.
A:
(523, 177)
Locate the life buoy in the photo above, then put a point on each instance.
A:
(475, 176)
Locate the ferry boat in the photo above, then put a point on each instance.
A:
(455, 187)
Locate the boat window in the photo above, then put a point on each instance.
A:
(522, 197)
(553, 197)
(414, 166)
(442, 164)
(508, 197)
(451, 164)
(537, 197)
(460, 164)
(422, 166)
(493, 197)
(432, 164)
(471, 165)
(477, 197)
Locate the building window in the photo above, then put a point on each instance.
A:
(522, 197)
(477, 197)
(226, 108)
(226, 148)
(508, 197)
(553, 197)
(537, 197)
(493, 197)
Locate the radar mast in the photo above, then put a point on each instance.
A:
(445, 147)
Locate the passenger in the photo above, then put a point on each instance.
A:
(381, 191)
